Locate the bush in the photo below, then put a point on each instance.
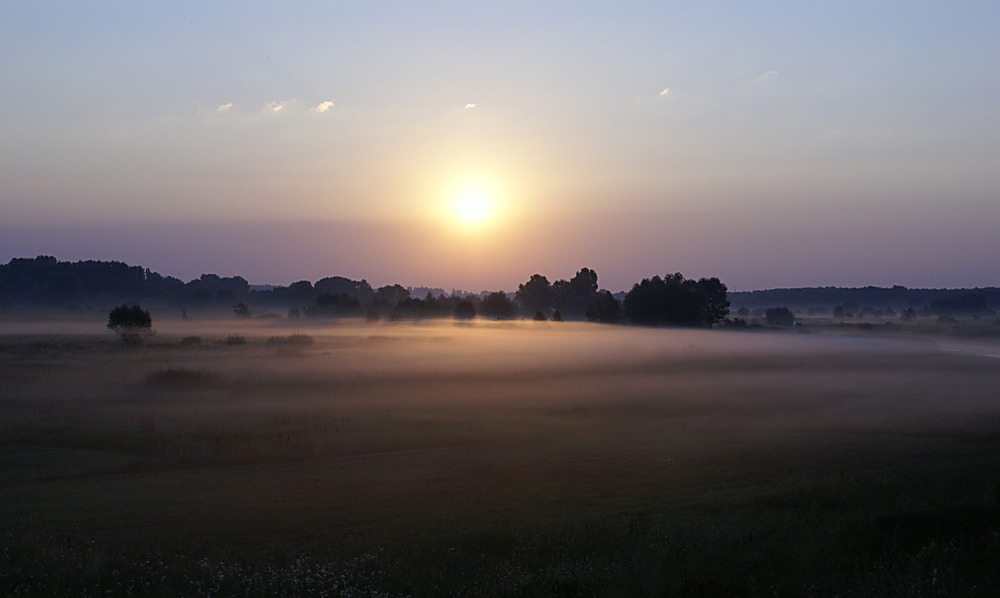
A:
(235, 339)
(131, 322)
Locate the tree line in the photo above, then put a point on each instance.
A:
(671, 300)
(45, 282)
(872, 300)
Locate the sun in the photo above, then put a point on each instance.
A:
(474, 205)
(473, 208)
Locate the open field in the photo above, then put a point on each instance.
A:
(511, 459)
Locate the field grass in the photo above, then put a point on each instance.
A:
(499, 459)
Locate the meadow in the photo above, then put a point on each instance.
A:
(281, 457)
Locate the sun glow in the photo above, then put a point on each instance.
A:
(472, 207)
(476, 206)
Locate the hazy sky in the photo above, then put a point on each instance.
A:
(767, 143)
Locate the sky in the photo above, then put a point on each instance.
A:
(771, 144)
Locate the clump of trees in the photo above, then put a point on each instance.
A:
(536, 295)
(575, 299)
(677, 301)
(132, 323)
(498, 306)
(969, 305)
(602, 308)
(465, 310)
(334, 305)
(779, 316)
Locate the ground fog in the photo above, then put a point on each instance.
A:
(471, 451)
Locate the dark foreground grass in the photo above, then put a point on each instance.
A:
(529, 460)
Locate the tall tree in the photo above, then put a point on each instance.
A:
(391, 295)
(715, 305)
(497, 305)
(536, 294)
(573, 298)
(584, 284)
(604, 308)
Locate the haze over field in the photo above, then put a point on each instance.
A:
(525, 458)
(467, 145)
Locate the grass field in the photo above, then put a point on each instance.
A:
(496, 459)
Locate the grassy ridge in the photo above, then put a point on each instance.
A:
(524, 459)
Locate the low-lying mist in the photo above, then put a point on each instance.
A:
(550, 447)
(484, 381)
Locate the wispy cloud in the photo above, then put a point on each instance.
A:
(470, 106)
(664, 92)
(763, 77)
(224, 107)
(276, 105)
(322, 106)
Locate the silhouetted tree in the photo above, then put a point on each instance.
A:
(779, 316)
(408, 308)
(969, 304)
(676, 301)
(604, 308)
(131, 322)
(714, 304)
(497, 305)
(337, 285)
(241, 310)
(536, 294)
(390, 295)
(465, 310)
(573, 298)
(584, 283)
(302, 293)
(428, 307)
(333, 305)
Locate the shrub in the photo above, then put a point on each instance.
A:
(131, 322)
(235, 339)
